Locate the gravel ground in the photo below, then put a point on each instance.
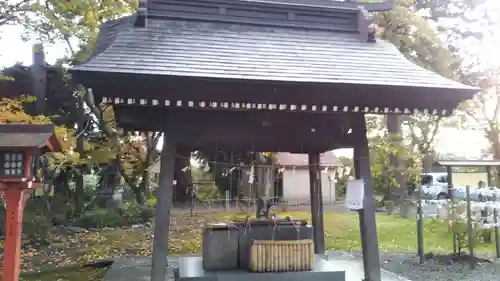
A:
(407, 265)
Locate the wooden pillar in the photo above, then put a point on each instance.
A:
(316, 203)
(367, 221)
(15, 198)
(164, 196)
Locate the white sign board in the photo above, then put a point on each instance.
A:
(355, 194)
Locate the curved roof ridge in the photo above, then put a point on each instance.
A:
(370, 6)
(108, 32)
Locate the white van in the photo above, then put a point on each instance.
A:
(434, 185)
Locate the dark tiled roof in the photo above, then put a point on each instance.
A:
(108, 32)
(327, 3)
(244, 51)
(327, 159)
(161, 7)
(26, 135)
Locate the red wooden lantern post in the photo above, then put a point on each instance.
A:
(20, 146)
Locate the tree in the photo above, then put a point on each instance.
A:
(384, 174)
(469, 24)
(139, 152)
(76, 23)
(131, 152)
(13, 111)
(413, 35)
(343, 174)
(459, 20)
(224, 165)
(12, 11)
(482, 113)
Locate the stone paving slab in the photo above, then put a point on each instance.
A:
(136, 268)
(354, 267)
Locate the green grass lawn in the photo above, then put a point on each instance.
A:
(341, 233)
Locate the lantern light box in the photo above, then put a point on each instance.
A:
(20, 148)
(12, 163)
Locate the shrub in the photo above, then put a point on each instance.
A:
(135, 213)
(148, 213)
(130, 213)
(100, 218)
(62, 208)
(37, 227)
(151, 202)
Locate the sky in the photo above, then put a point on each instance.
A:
(14, 50)
(458, 142)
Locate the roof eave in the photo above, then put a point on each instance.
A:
(49, 144)
(468, 163)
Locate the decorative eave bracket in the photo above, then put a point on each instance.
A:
(366, 27)
(252, 106)
(382, 6)
(142, 14)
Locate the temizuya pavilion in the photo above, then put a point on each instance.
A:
(259, 75)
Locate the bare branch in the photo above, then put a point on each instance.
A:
(437, 124)
(11, 12)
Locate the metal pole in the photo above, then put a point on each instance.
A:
(230, 174)
(449, 179)
(495, 215)
(470, 236)
(192, 193)
(226, 195)
(330, 191)
(497, 237)
(420, 227)
(267, 184)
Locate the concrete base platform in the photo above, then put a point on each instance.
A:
(337, 266)
(191, 269)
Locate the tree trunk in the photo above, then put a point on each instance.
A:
(428, 161)
(79, 183)
(61, 185)
(141, 192)
(182, 176)
(260, 170)
(494, 138)
(79, 194)
(395, 161)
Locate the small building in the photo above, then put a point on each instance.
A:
(288, 76)
(294, 171)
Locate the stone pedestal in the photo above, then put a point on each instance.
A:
(220, 247)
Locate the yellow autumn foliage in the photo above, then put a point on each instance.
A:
(12, 111)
